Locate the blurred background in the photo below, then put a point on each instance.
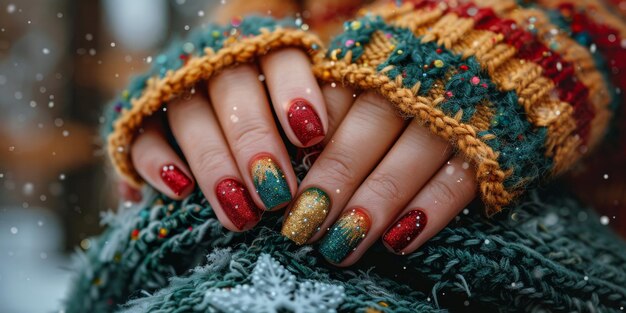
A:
(60, 62)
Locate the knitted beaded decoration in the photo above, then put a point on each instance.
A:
(520, 102)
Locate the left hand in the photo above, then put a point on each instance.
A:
(378, 176)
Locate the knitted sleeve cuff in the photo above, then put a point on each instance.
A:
(519, 98)
(205, 53)
(511, 91)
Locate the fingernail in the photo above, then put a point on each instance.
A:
(307, 214)
(304, 122)
(175, 178)
(237, 203)
(269, 181)
(407, 228)
(345, 235)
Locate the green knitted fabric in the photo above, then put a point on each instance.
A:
(117, 267)
(550, 254)
(547, 253)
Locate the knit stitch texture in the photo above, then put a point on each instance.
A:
(519, 100)
(518, 90)
(549, 253)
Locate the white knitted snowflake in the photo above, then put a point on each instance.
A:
(275, 289)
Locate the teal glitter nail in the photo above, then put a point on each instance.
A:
(270, 182)
(345, 235)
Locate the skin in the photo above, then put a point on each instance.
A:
(228, 121)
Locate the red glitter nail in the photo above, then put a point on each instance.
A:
(405, 229)
(304, 122)
(237, 203)
(175, 178)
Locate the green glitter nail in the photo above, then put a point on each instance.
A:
(270, 182)
(345, 235)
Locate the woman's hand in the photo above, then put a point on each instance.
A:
(379, 176)
(229, 141)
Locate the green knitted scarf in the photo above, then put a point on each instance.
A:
(549, 253)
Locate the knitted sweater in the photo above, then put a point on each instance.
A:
(521, 92)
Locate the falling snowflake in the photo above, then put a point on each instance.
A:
(275, 289)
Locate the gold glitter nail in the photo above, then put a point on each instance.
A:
(306, 215)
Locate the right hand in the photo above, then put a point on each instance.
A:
(231, 147)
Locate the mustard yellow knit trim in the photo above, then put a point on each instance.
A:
(490, 176)
(481, 120)
(585, 69)
(174, 83)
(535, 91)
(563, 144)
(510, 73)
(377, 51)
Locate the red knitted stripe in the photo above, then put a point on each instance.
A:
(529, 48)
(607, 40)
(611, 46)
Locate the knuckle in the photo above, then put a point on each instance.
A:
(140, 154)
(237, 76)
(371, 98)
(145, 164)
(293, 88)
(420, 136)
(385, 186)
(207, 158)
(250, 134)
(443, 192)
(336, 167)
(375, 103)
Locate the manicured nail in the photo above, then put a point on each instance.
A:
(307, 214)
(237, 203)
(270, 182)
(407, 228)
(175, 178)
(304, 122)
(345, 235)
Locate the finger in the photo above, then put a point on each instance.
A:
(343, 165)
(296, 96)
(413, 160)
(443, 197)
(338, 102)
(246, 118)
(128, 192)
(197, 131)
(158, 164)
